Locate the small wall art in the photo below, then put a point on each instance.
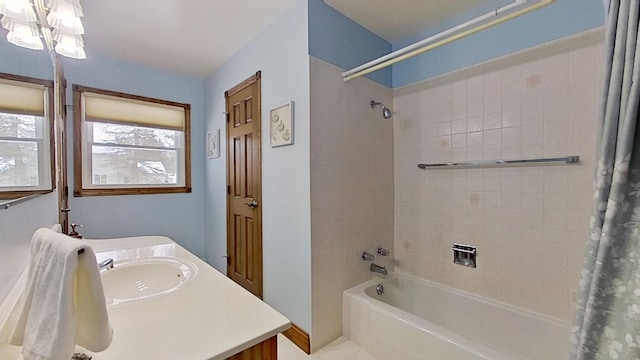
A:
(281, 119)
(213, 144)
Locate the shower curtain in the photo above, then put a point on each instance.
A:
(607, 321)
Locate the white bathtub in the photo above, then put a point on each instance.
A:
(418, 319)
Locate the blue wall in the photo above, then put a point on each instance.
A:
(25, 62)
(178, 216)
(281, 53)
(555, 21)
(340, 41)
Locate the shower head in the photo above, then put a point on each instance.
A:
(386, 112)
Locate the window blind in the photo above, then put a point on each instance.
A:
(117, 110)
(22, 98)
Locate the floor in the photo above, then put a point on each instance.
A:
(341, 349)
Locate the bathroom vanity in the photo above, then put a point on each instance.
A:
(166, 303)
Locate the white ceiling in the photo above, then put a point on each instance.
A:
(190, 37)
(194, 37)
(395, 20)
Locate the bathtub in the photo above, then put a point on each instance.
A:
(418, 319)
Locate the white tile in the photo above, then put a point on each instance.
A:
(512, 101)
(475, 124)
(533, 114)
(511, 200)
(492, 105)
(459, 126)
(511, 118)
(459, 140)
(474, 153)
(475, 92)
(459, 154)
(532, 201)
(492, 199)
(444, 142)
(459, 111)
(444, 128)
(533, 150)
(475, 138)
(512, 135)
(533, 183)
(459, 183)
(475, 109)
(491, 152)
(492, 183)
(532, 133)
(554, 131)
(511, 151)
(458, 96)
(493, 121)
(493, 137)
(512, 184)
(475, 183)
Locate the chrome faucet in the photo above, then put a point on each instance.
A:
(107, 264)
(367, 256)
(378, 269)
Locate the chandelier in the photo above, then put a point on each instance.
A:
(34, 24)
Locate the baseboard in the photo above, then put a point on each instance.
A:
(298, 337)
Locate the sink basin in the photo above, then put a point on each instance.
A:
(139, 279)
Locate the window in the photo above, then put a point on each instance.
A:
(127, 144)
(26, 140)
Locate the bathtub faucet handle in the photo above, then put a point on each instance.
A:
(383, 252)
(367, 257)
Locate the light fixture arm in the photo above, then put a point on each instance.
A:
(45, 32)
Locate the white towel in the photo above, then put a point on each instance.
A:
(63, 302)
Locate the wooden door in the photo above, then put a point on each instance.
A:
(244, 184)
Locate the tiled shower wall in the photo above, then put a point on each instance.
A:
(351, 190)
(529, 224)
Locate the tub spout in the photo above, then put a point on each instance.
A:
(378, 269)
(107, 264)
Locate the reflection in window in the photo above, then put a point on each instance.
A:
(25, 136)
(133, 155)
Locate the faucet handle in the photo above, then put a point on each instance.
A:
(367, 257)
(383, 252)
(74, 233)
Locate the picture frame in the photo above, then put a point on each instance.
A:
(213, 144)
(281, 125)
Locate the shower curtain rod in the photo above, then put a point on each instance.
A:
(437, 40)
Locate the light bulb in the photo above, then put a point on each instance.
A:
(69, 45)
(17, 6)
(17, 9)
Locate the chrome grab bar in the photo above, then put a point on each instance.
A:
(569, 160)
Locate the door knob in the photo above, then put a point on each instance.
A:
(253, 204)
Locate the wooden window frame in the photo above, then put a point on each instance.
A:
(79, 144)
(50, 119)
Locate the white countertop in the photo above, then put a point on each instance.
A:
(209, 317)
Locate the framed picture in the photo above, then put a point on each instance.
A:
(281, 121)
(213, 144)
